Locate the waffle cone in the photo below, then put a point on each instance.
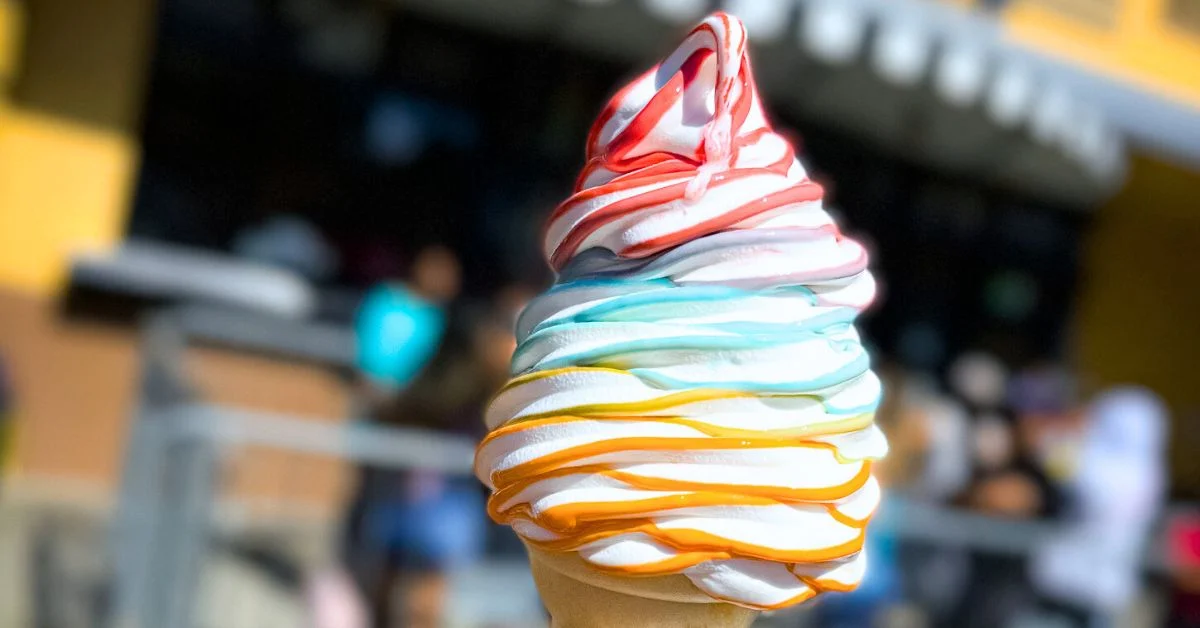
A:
(578, 596)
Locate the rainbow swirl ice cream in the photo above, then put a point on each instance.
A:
(691, 396)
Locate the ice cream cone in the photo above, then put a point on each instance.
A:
(689, 432)
(577, 596)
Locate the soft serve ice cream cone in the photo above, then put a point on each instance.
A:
(690, 421)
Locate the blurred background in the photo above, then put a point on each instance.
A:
(260, 260)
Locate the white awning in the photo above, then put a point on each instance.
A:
(926, 81)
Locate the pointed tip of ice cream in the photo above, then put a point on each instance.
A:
(680, 127)
(710, 74)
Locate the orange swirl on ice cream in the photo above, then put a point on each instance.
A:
(691, 397)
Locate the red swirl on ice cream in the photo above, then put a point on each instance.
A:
(681, 152)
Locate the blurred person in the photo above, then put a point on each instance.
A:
(1049, 418)
(408, 530)
(945, 426)
(400, 324)
(979, 379)
(1044, 388)
(1008, 481)
(1007, 484)
(1012, 492)
(908, 440)
(929, 461)
(1088, 573)
(399, 327)
(993, 441)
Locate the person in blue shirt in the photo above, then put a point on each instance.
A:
(425, 367)
(399, 325)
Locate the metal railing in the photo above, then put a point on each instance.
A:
(180, 450)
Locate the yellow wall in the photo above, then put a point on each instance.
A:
(1137, 313)
(68, 125)
(64, 187)
(1141, 47)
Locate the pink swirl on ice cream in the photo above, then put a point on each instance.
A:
(691, 397)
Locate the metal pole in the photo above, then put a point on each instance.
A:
(160, 388)
(183, 534)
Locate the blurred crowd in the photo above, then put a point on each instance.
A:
(1027, 444)
(426, 364)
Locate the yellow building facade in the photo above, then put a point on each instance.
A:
(72, 94)
(1135, 318)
